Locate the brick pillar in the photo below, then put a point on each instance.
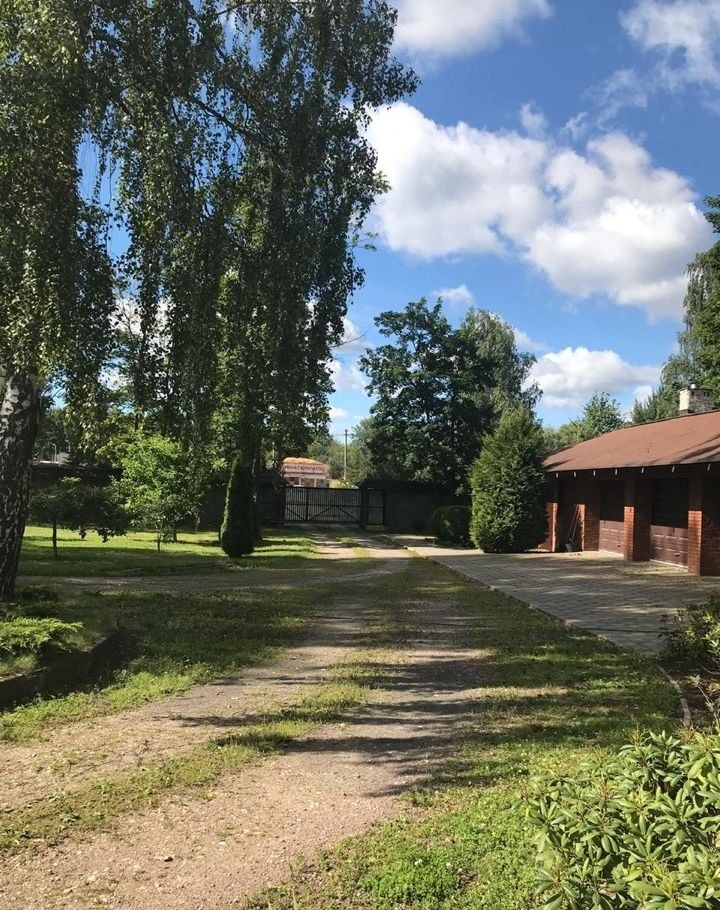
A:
(591, 516)
(703, 529)
(552, 541)
(638, 496)
(695, 526)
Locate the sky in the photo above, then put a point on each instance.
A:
(551, 168)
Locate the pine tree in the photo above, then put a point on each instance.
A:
(509, 486)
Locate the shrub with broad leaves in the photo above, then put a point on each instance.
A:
(639, 830)
(695, 637)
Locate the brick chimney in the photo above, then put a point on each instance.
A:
(695, 401)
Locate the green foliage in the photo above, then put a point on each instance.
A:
(241, 178)
(567, 434)
(509, 487)
(331, 451)
(440, 391)
(639, 830)
(451, 524)
(601, 414)
(21, 635)
(237, 536)
(696, 635)
(155, 484)
(695, 638)
(80, 507)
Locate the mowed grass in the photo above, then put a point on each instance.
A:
(172, 640)
(542, 699)
(136, 553)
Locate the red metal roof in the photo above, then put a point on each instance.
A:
(692, 439)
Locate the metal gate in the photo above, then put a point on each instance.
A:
(324, 506)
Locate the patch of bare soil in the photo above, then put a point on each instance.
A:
(211, 851)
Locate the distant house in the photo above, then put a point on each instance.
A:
(306, 472)
(647, 492)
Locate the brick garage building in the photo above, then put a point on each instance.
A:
(649, 492)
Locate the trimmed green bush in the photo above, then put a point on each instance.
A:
(451, 524)
(640, 830)
(237, 536)
(509, 487)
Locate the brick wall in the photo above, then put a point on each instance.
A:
(704, 526)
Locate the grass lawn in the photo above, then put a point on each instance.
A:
(136, 553)
(176, 639)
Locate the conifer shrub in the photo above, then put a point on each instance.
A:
(451, 524)
(639, 830)
(509, 487)
(238, 533)
(37, 636)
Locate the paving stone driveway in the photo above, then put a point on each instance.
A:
(601, 593)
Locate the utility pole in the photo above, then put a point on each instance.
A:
(345, 459)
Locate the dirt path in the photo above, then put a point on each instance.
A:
(199, 852)
(77, 753)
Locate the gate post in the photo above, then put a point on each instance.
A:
(280, 504)
(364, 508)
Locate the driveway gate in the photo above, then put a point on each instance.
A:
(324, 506)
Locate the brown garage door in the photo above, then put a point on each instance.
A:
(669, 529)
(612, 515)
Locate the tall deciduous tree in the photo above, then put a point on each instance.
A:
(440, 391)
(55, 276)
(230, 146)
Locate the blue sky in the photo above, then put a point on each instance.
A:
(551, 168)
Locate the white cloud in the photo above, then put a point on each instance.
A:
(623, 88)
(571, 376)
(353, 340)
(459, 296)
(526, 343)
(605, 220)
(444, 27)
(455, 189)
(337, 414)
(347, 377)
(643, 392)
(533, 120)
(686, 33)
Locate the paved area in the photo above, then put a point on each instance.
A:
(597, 592)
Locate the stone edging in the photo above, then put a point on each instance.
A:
(63, 670)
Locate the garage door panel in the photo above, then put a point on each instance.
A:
(669, 528)
(612, 536)
(612, 516)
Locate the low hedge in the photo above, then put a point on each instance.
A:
(451, 524)
(640, 830)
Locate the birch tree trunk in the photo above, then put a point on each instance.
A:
(19, 412)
